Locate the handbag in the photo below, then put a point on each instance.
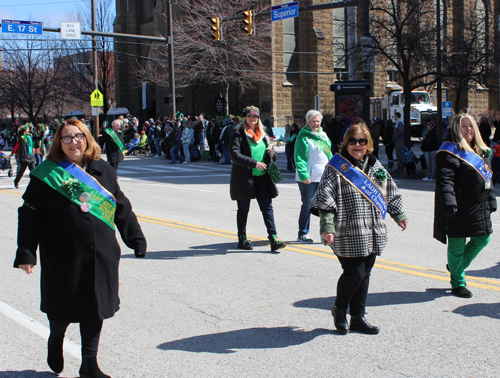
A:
(273, 172)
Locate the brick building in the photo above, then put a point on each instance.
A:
(305, 62)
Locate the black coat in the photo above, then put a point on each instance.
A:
(23, 152)
(458, 184)
(79, 254)
(241, 185)
(430, 142)
(113, 153)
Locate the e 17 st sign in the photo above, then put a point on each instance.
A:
(23, 27)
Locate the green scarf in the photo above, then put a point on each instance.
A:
(316, 137)
(29, 143)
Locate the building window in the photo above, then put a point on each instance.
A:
(291, 60)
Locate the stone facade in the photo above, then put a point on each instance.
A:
(282, 101)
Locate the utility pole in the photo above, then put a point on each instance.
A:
(96, 77)
(171, 71)
(439, 92)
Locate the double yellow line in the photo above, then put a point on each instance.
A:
(324, 252)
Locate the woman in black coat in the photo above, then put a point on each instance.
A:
(464, 198)
(251, 153)
(70, 210)
(26, 153)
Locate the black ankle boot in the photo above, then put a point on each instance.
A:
(90, 369)
(359, 323)
(55, 357)
(340, 320)
(276, 243)
(244, 243)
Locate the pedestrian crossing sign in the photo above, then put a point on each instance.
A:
(96, 98)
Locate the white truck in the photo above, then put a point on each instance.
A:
(422, 108)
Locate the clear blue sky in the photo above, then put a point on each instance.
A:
(50, 12)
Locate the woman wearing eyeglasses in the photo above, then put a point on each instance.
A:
(353, 197)
(71, 207)
(464, 199)
(311, 153)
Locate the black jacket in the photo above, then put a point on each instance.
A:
(241, 185)
(79, 254)
(430, 142)
(113, 153)
(23, 152)
(459, 185)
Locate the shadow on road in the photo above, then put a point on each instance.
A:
(379, 299)
(492, 272)
(27, 374)
(491, 310)
(218, 249)
(251, 338)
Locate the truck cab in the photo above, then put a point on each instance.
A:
(422, 110)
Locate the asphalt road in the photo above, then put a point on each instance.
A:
(197, 306)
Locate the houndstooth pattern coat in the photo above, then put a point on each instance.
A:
(360, 228)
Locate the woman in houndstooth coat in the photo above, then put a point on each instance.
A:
(352, 225)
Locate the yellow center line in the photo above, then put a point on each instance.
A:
(323, 252)
(483, 283)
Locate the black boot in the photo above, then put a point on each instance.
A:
(276, 243)
(55, 357)
(340, 320)
(90, 369)
(359, 323)
(244, 243)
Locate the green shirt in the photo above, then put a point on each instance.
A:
(258, 151)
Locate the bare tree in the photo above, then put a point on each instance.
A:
(8, 92)
(238, 59)
(466, 56)
(401, 36)
(33, 66)
(79, 63)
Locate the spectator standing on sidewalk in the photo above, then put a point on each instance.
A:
(398, 138)
(187, 139)
(430, 145)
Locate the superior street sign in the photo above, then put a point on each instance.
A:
(289, 10)
(22, 27)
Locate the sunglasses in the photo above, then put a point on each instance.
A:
(354, 141)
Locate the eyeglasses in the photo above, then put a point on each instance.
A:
(354, 141)
(68, 139)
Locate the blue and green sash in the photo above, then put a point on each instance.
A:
(469, 157)
(361, 182)
(115, 138)
(74, 183)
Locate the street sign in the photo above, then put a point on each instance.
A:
(96, 98)
(289, 10)
(70, 31)
(447, 112)
(23, 27)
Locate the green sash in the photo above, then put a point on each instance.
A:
(72, 182)
(115, 138)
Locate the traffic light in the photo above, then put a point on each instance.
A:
(216, 27)
(248, 21)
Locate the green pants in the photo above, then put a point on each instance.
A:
(460, 256)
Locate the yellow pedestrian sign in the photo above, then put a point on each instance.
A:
(96, 98)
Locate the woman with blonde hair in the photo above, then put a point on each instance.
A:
(464, 198)
(251, 152)
(71, 207)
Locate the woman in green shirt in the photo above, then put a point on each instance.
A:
(251, 152)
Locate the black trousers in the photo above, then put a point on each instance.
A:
(352, 287)
(22, 169)
(90, 333)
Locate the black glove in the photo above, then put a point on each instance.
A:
(139, 254)
(450, 211)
